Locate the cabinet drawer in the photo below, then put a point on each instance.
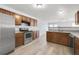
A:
(19, 34)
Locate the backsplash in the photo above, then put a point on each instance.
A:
(30, 28)
(17, 29)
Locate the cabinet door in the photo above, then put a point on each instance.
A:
(19, 39)
(76, 49)
(34, 22)
(52, 37)
(49, 37)
(26, 19)
(31, 22)
(63, 39)
(77, 17)
(35, 35)
(55, 37)
(18, 20)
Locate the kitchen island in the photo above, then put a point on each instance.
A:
(69, 39)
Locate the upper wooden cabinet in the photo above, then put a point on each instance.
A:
(26, 19)
(7, 12)
(77, 17)
(33, 22)
(29, 20)
(18, 20)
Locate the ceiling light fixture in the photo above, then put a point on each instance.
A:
(51, 25)
(38, 5)
(61, 12)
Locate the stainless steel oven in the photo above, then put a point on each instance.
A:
(28, 37)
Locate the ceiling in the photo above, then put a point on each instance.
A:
(50, 12)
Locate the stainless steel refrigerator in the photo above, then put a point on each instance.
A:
(7, 33)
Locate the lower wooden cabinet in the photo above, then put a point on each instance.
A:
(35, 35)
(58, 37)
(76, 46)
(33, 22)
(64, 39)
(19, 39)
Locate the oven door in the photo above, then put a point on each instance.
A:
(27, 37)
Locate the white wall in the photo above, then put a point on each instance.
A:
(43, 25)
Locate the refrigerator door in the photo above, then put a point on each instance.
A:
(7, 33)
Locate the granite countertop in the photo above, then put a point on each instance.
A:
(75, 34)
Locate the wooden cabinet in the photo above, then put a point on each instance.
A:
(64, 39)
(77, 17)
(2, 10)
(58, 37)
(18, 20)
(19, 39)
(33, 22)
(35, 35)
(51, 37)
(76, 46)
(26, 19)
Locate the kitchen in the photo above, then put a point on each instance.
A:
(59, 27)
(25, 27)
